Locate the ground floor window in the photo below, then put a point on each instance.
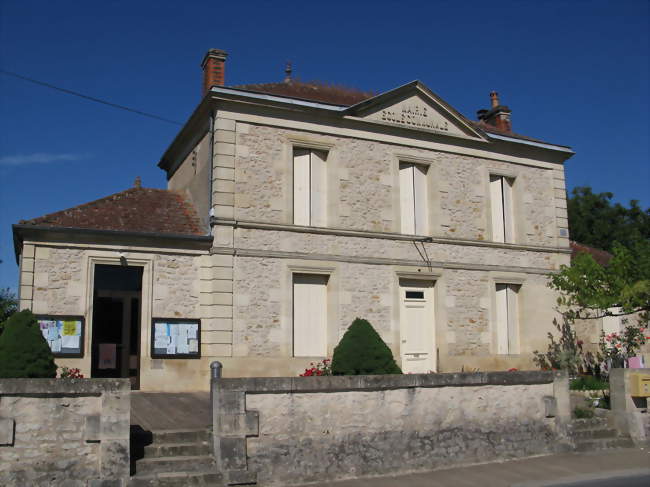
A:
(507, 321)
(309, 315)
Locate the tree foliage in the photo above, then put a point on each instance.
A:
(8, 305)
(594, 220)
(361, 351)
(589, 290)
(23, 350)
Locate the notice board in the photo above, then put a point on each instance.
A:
(175, 338)
(64, 334)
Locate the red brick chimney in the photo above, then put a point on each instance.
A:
(213, 65)
(498, 116)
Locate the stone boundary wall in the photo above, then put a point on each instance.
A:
(72, 432)
(631, 416)
(282, 431)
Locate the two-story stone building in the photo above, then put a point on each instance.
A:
(293, 208)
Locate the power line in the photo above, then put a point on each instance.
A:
(87, 97)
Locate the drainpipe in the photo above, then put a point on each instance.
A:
(211, 162)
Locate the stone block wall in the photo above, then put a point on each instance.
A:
(72, 432)
(286, 431)
(363, 185)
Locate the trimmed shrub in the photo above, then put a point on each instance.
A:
(361, 351)
(24, 353)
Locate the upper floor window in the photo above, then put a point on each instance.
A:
(309, 187)
(502, 212)
(413, 198)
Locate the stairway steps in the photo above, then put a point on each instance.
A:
(591, 434)
(604, 444)
(589, 424)
(160, 465)
(178, 479)
(180, 436)
(158, 450)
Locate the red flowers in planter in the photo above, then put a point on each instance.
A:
(319, 368)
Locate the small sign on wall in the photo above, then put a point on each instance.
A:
(175, 338)
(64, 334)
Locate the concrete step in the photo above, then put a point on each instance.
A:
(158, 450)
(589, 423)
(150, 466)
(177, 479)
(180, 436)
(592, 434)
(604, 444)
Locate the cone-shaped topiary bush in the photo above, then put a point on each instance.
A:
(23, 350)
(361, 351)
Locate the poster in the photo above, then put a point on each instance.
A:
(175, 338)
(64, 334)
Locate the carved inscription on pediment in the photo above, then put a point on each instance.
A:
(416, 113)
(415, 116)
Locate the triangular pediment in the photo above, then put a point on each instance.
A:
(414, 106)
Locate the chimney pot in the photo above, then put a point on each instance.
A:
(213, 65)
(137, 183)
(494, 96)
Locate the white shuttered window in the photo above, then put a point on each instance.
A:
(309, 188)
(413, 198)
(501, 204)
(507, 322)
(309, 315)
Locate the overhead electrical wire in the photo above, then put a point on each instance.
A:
(87, 97)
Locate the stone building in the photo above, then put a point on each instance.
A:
(293, 208)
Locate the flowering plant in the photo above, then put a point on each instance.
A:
(319, 368)
(67, 373)
(620, 346)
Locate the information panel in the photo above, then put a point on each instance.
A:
(175, 338)
(64, 334)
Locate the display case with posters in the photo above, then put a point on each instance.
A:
(175, 338)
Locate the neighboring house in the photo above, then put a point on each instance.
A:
(293, 208)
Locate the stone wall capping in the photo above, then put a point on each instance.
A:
(75, 387)
(379, 382)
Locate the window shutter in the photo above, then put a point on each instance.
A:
(309, 315)
(301, 183)
(318, 189)
(502, 318)
(508, 220)
(496, 204)
(407, 198)
(511, 291)
(420, 199)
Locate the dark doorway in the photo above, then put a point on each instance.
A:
(117, 297)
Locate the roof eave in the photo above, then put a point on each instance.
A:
(85, 235)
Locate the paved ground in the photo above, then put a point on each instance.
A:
(155, 411)
(626, 467)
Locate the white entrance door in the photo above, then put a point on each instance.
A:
(417, 327)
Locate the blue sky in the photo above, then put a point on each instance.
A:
(573, 72)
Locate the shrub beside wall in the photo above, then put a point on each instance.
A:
(24, 353)
(361, 351)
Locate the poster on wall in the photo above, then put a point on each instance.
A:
(175, 338)
(64, 334)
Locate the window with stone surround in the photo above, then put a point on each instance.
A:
(507, 318)
(413, 198)
(309, 187)
(503, 229)
(309, 315)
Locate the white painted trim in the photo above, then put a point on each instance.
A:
(530, 142)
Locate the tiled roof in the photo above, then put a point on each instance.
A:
(137, 209)
(312, 91)
(344, 96)
(600, 256)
